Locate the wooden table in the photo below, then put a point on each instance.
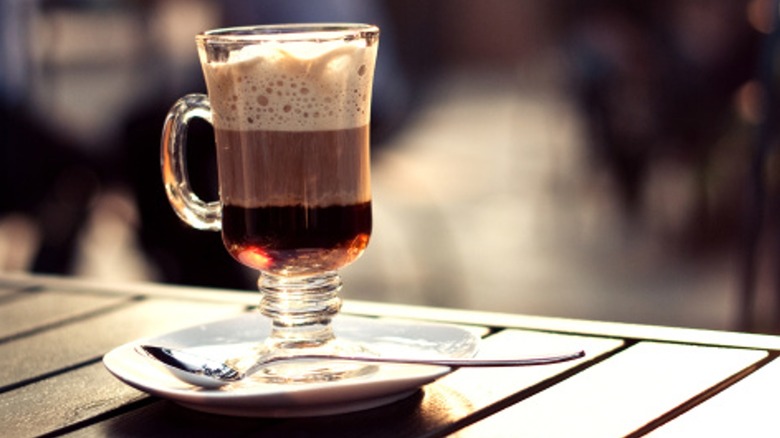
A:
(635, 380)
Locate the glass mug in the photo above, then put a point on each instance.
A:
(290, 108)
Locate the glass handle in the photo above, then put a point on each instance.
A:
(190, 208)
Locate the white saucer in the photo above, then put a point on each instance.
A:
(388, 384)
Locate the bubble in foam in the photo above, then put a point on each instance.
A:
(308, 86)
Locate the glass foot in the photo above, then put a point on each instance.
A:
(305, 370)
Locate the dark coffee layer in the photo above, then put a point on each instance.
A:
(296, 239)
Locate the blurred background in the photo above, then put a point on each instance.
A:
(595, 159)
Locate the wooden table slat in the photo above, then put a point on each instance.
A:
(41, 309)
(57, 402)
(621, 394)
(748, 408)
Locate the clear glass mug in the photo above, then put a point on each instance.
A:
(290, 107)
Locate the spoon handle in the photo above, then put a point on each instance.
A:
(453, 363)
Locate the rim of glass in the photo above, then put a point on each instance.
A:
(290, 32)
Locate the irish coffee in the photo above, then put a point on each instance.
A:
(290, 109)
(291, 126)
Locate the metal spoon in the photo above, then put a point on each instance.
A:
(209, 373)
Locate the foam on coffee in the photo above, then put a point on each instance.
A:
(293, 86)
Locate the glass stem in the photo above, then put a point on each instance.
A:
(301, 309)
